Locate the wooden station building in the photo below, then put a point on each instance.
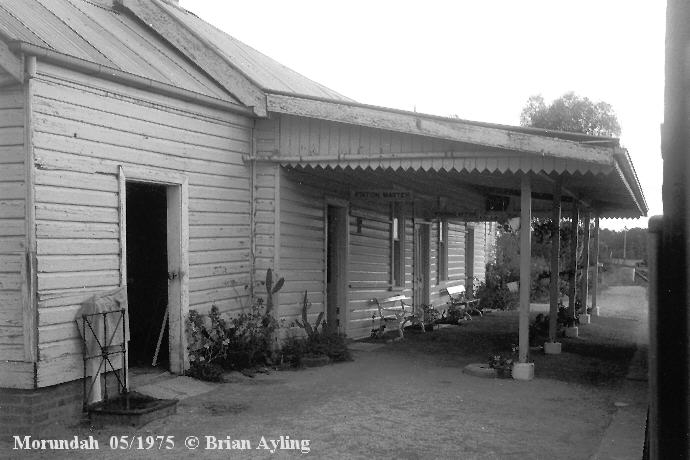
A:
(142, 147)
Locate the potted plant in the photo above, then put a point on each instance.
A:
(502, 364)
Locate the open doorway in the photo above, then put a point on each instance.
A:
(147, 273)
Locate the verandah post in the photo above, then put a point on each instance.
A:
(572, 288)
(595, 281)
(555, 254)
(524, 370)
(525, 256)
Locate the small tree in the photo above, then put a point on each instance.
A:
(571, 113)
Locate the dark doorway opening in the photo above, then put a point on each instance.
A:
(147, 273)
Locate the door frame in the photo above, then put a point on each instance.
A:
(417, 263)
(343, 250)
(177, 194)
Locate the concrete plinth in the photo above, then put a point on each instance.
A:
(571, 332)
(552, 348)
(523, 371)
(585, 318)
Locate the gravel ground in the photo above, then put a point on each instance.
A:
(411, 400)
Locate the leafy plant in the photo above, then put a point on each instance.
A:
(499, 361)
(320, 340)
(272, 289)
(494, 292)
(207, 336)
(430, 314)
(252, 337)
(311, 331)
(503, 361)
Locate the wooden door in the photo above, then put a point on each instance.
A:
(337, 229)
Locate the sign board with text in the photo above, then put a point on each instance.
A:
(381, 195)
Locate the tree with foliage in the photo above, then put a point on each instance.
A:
(571, 113)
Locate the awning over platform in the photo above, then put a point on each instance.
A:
(477, 160)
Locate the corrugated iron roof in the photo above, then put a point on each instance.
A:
(100, 34)
(267, 73)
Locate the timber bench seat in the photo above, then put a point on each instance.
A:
(394, 309)
(457, 298)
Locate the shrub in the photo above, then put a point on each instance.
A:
(318, 341)
(214, 343)
(494, 293)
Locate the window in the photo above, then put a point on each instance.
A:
(442, 259)
(398, 247)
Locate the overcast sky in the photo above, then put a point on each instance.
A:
(478, 59)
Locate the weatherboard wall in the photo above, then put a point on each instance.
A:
(84, 129)
(16, 360)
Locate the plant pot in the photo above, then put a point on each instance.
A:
(552, 348)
